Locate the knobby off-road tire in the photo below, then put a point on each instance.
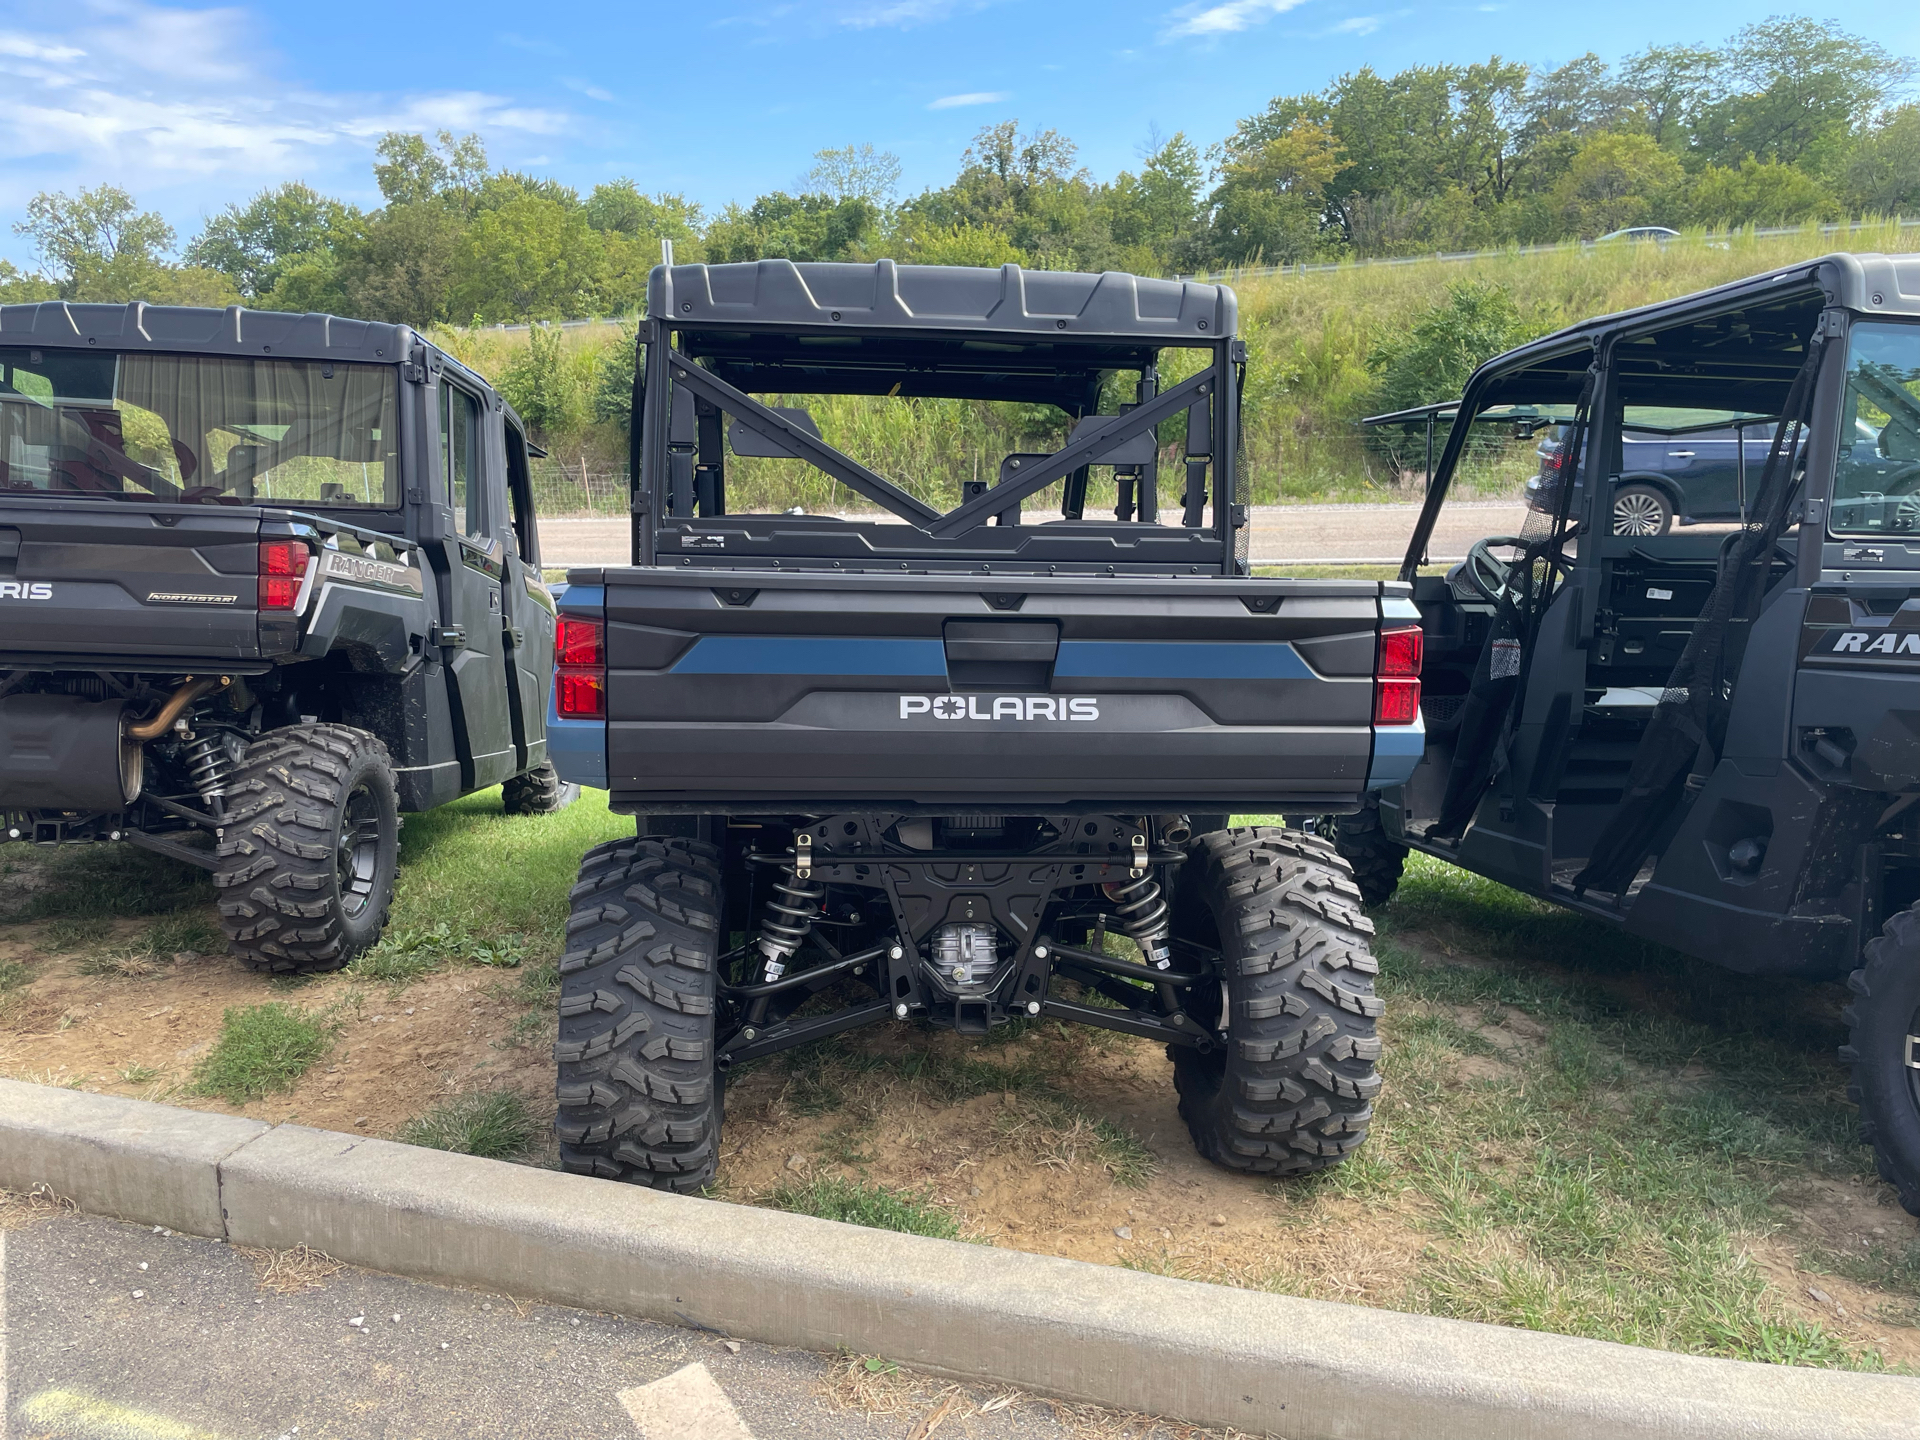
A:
(1885, 1011)
(640, 1098)
(1376, 857)
(1291, 1090)
(540, 791)
(311, 845)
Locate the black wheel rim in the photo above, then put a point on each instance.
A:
(358, 859)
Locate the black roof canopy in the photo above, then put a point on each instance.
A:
(1010, 301)
(234, 330)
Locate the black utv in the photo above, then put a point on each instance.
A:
(266, 581)
(1710, 737)
(962, 752)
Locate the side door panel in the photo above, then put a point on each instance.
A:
(530, 609)
(477, 666)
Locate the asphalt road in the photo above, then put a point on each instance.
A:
(1282, 534)
(111, 1331)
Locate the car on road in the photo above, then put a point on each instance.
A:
(968, 766)
(1639, 232)
(1676, 467)
(266, 582)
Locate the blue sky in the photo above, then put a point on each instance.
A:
(191, 106)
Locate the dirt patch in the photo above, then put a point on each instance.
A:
(396, 1054)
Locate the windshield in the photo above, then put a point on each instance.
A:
(199, 428)
(1877, 476)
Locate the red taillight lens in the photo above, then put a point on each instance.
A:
(580, 682)
(1396, 702)
(580, 694)
(1400, 653)
(579, 642)
(1396, 678)
(283, 564)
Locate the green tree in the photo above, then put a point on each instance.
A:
(1430, 359)
(1026, 185)
(613, 380)
(1796, 89)
(618, 207)
(961, 243)
(1882, 174)
(1757, 192)
(403, 268)
(1614, 181)
(17, 288)
(1271, 201)
(1667, 87)
(95, 239)
(532, 258)
(539, 385)
(255, 244)
(411, 170)
(794, 227)
(100, 246)
(855, 172)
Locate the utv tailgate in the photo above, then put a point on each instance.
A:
(105, 581)
(813, 690)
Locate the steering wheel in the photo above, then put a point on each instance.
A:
(1487, 575)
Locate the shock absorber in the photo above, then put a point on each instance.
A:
(1142, 912)
(209, 766)
(791, 910)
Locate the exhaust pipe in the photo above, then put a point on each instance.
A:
(153, 729)
(59, 752)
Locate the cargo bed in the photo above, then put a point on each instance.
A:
(812, 691)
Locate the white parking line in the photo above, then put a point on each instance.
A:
(687, 1405)
(6, 1407)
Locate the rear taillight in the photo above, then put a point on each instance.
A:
(283, 565)
(580, 677)
(580, 642)
(1396, 682)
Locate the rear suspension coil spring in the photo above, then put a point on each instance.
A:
(209, 765)
(790, 915)
(1142, 912)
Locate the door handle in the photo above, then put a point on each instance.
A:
(1681, 454)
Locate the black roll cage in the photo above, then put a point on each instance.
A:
(1549, 371)
(691, 377)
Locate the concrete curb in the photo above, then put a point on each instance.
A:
(1306, 1369)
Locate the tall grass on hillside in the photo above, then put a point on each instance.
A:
(1309, 335)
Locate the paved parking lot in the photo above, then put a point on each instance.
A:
(111, 1331)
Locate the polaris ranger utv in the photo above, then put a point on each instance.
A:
(1711, 740)
(266, 581)
(921, 764)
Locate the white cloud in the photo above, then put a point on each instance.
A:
(592, 92)
(1225, 18)
(1358, 25)
(192, 103)
(27, 48)
(900, 14)
(972, 97)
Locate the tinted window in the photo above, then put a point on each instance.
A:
(202, 428)
(460, 442)
(1877, 470)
